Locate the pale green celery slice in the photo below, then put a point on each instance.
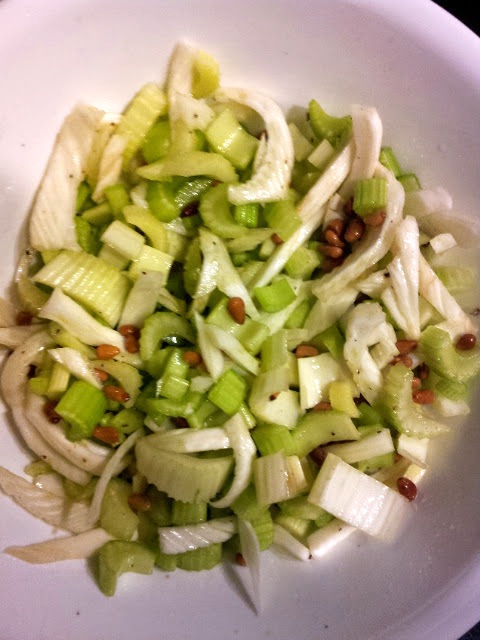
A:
(367, 134)
(127, 375)
(371, 248)
(311, 211)
(271, 178)
(99, 286)
(52, 218)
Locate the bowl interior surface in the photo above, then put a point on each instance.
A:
(421, 69)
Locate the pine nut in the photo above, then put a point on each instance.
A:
(322, 406)
(405, 346)
(139, 502)
(375, 219)
(406, 360)
(306, 351)
(333, 239)
(101, 375)
(416, 384)
(276, 238)
(337, 225)
(132, 344)
(318, 455)
(24, 318)
(330, 251)
(106, 351)
(329, 264)
(354, 231)
(118, 394)
(109, 435)
(129, 330)
(236, 309)
(190, 210)
(192, 358)
(423, 396)
(50, 413)
(466, 342)
(407, 488)
(422, 371)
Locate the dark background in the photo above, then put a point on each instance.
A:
(470, 16)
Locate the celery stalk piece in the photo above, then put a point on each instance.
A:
(159, 326)
(82, 406)
(146, 106)
(276, 296)
(184, 538)
(116, 517)
(180, 475)
(356, 498)
(58, 383)
(215, 213)
(101, 287)
(146, 222)
(447, 361)
(270, 438)
(341, 398)
(311, 211)
(302, 147)
(119, 556)
(72, 317)
(319, 427)
(52, 218)
(389, 160)
(157, 142)
(199, 559)
(228, 392)
(322, 154)
(123, 239)
(190, 163)
(271, 478)
(205, 74)
(271, 178)
(409, 182)
(322, 541)
(227, 137)
(151, 259)
(184, 513)
(232, 348)
(128, 377)
(370, 195)
(333, 129)
(371, 248)
(399, 409)
(161, 201)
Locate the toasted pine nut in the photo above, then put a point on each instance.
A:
(466, 342)
(354, 231)
(333, 238)
(329, 264)
(423, 371)
(131, 344)
(192, 358)
(101, 375)
(322, 406)
(405, 346)
(406, 360)
(337, 225)
(423, 396)
(407, 488)
(139, 502)
(50, 413)
(113, 392)
(106, 351)
(330, 251)
(24, 318)
(416, 383)
(109, 435)
(318, 455)
(240, 560)
(306, 351)
(236, 309)
(276, 239)
(129, 330)
(375, 219)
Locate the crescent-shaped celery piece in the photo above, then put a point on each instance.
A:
(14, 388)
(272, 176)
(83, 545)
(72, 317)
(435, 292)
(401, 297)
(367, 135)
(366, 326)
(244, 453)
(55, 510)
(52, 224)
(311, 211)
(371, 248)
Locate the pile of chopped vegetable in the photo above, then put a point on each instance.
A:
(230, 331)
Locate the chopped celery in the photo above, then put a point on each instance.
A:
(118, 198)
(228, 392)
(191, 191)
(409, 181)
(215, 212)
(370, 195)
(119, 556)
(246, 214)
(276, 296)
(389, 160)
(443, 358)
(116, 517)
(333, 340)
(205, 74)
(303, 263)
(319, 427)
(157, 142)
(282, 217)
(188, 512)
(226, 136)
(335, 130)
(271, 438)
(88, 236)
(98, 215)
(188, 164)
(161, 201)
(160, 326)
(82, 406)
(200, 559)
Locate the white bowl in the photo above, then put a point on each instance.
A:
(421, 69)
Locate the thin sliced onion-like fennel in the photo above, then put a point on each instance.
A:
(13, 337)
(52, 222)
(272, 175)
(196, 536)
(211, 354)
(285, 540)
(251, 552)
(110, 166)
(78, 365)
(232, 348)
(77, 547)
